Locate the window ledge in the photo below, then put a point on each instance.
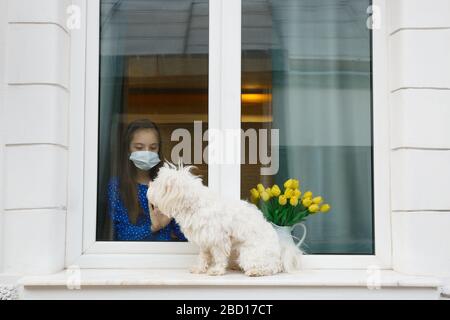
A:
(182, 277)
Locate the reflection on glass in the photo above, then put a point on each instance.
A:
(153, 80)
(306, 70)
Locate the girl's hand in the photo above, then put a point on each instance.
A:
(158, 219)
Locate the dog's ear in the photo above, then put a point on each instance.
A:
(171, 187)
(168, 186)
(173, 192)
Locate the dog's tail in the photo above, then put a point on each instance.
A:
(291, 255)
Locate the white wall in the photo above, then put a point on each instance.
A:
(420, 103)
(3, 28)
(35, 156)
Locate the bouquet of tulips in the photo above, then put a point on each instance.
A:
(288, 207)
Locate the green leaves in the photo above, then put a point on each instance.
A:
(286, 215)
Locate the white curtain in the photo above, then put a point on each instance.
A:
(112, 73)
(321, 74)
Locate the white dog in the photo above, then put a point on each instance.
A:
(229, 233)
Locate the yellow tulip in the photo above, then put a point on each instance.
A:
(295, 184)
(288, 184)
(297, 193)
(269, 192)
(308, 194)
(293, 201)
(307, 202)
(254, 199)
(260, 188)
(325, 208)
(313, 208)
(265, 196)
(276, 190)
(288, 193)
(282, 200)
(254, 193)
(317, 200)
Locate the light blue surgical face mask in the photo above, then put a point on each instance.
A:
(145, 160)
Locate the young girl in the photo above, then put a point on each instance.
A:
(139, 162)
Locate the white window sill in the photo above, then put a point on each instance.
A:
(182, 277)
(179, 284)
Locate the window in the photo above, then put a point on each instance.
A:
(153, 85)
(310, 69)
(306, 72)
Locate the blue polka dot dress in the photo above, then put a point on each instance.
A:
(125, 230)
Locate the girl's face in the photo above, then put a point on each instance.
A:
(144, 140)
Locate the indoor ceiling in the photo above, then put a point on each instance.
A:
(305, 29)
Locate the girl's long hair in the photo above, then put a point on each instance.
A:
(127, 170)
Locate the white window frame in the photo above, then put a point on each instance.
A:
(224, 113)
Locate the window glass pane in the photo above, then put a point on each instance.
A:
(306, 71)
(153, 71)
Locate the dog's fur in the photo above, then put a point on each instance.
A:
(229, 233)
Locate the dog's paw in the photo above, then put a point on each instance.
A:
(216, 271)
(234, 267)
(258, 272)
(197, 269)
